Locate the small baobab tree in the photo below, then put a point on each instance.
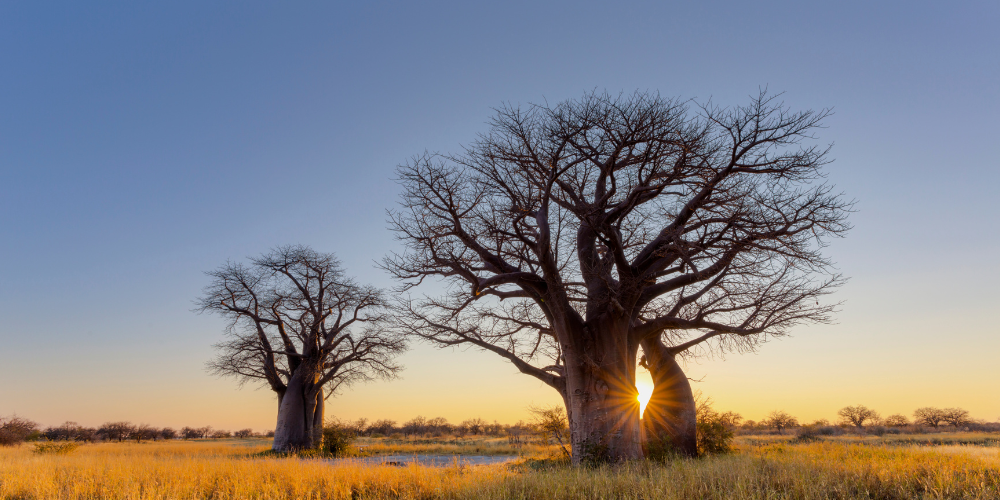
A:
(572, 235)
(300, 326)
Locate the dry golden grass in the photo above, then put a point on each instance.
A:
(233, 470)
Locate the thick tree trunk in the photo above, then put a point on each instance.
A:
(317, 418)
(669, 422)
(296, 416)
(602, 405)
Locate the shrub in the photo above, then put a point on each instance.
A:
(878, 430)
(714, 437)
(660, 450)
(551, 423)
(814, 431)
(56, 448)
(14, 430)
(337, 439)
(896, 420)
(714, 430)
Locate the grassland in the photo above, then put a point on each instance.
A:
(955, 466)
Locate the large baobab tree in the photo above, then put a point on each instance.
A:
(300, 326)
(572, 235)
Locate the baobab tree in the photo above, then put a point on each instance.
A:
(300, 326)
(571, 235)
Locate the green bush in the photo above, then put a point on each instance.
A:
(714, 437)
(660, 450)
(337, 439)
(714, 430)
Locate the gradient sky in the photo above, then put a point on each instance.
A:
(143, 144)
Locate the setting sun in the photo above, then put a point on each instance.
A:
(644, 384)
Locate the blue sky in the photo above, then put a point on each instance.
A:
(142, 144)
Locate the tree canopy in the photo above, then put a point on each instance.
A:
(568, 234)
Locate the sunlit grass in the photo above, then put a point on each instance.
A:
(775, 468)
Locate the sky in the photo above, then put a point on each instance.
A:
(142, 144)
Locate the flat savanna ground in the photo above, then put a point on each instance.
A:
(890, 467)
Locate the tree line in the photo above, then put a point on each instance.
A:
(14, 430)
(862, 418)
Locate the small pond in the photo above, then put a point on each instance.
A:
(429, 460)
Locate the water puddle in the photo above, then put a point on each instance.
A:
(428, 460)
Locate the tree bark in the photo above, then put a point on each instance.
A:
(296, 416)
(317, 418)
(669, 420)
(602, 400)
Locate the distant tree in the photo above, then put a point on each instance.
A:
(359, 426)
(221, 434)
(190, 433)
(730, 419)
(243, 433)
(168, 433)
(516, 432)
(474, 426)
(957, 417)
(145, 431)
(551, 423)
(383, 427)
(896, 420)
(570, 235)
(928, 416)
(68, 431)
(300, 326)
(439, 425)
(116, 431)
(494, 429)
(86, 434)
(780, 421)
(857, 415)
(418, 425)
(14, 430)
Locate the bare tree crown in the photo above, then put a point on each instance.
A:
(698, 224)
(294, 308)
